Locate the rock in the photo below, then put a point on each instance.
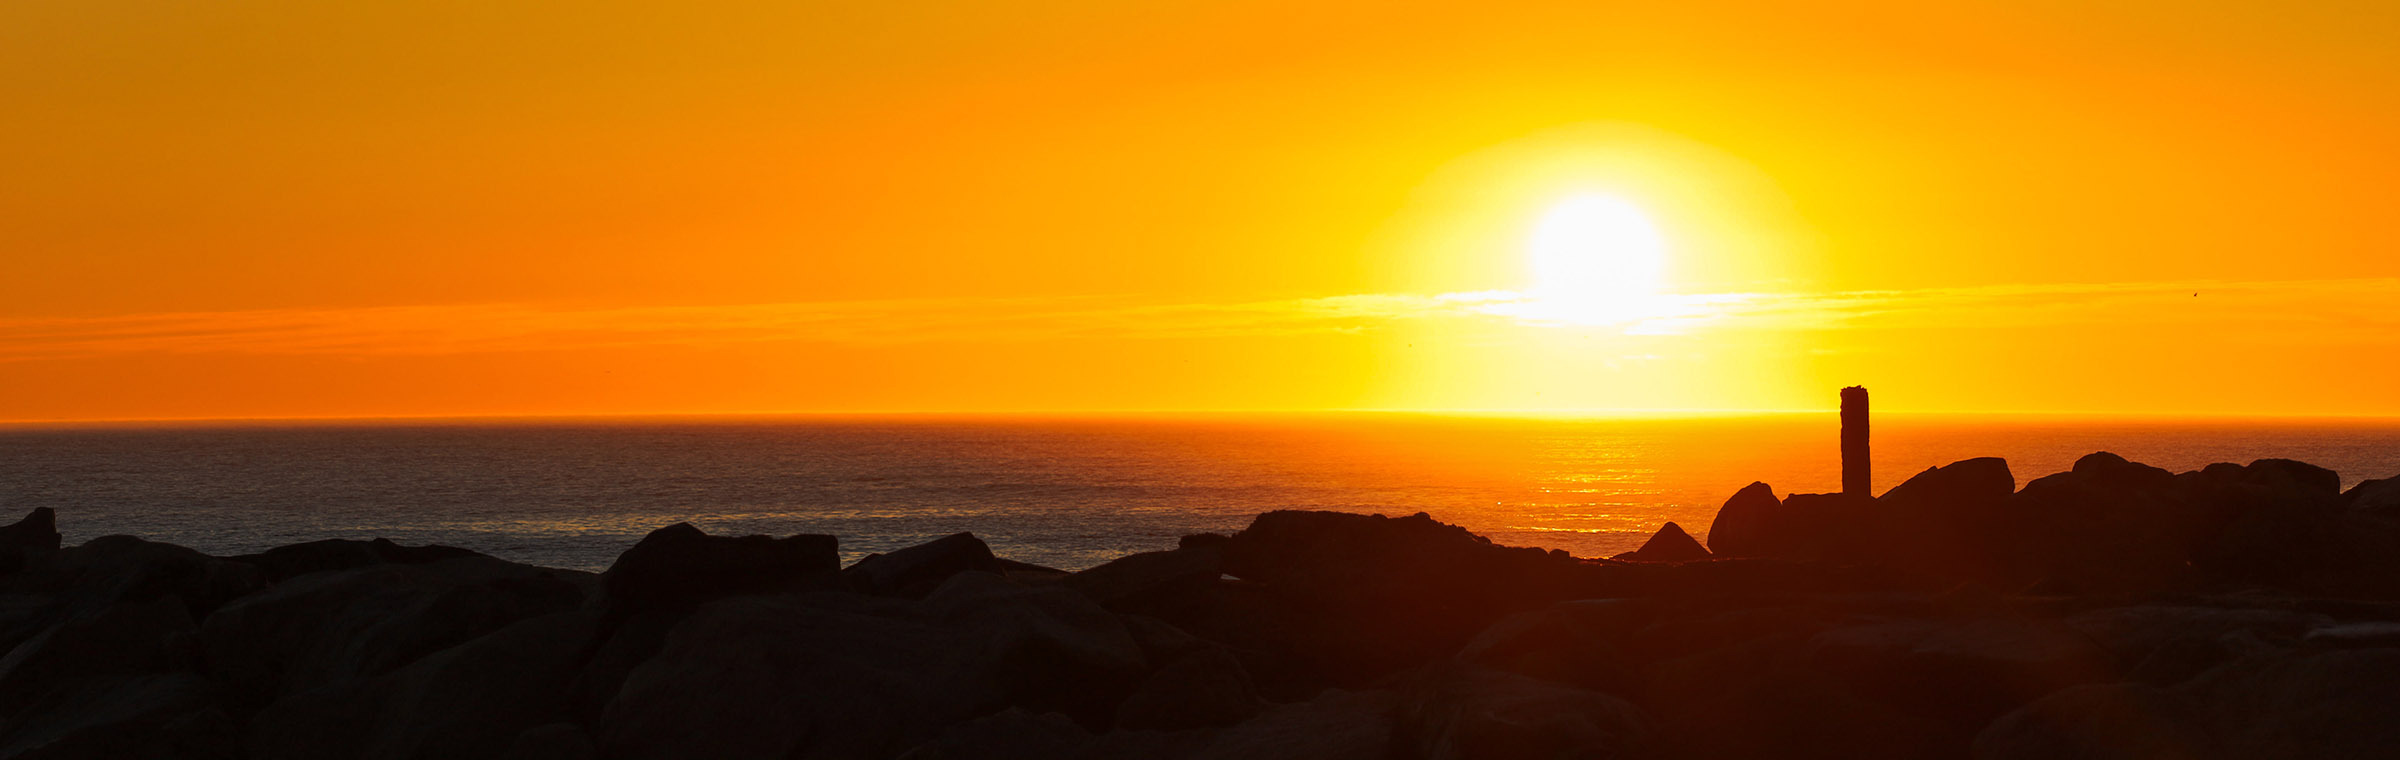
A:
(2376, 497)
(133, 638)
(1205, 688)
(1958, 673)
(471, 701)
(2100, 722)
(678, 567)
(1669, 544)
(325, 628)
(150, 715)
(29, 540)
(111, 569)
(807, 675)
(555, 741)
(283, 562)
(1335, 725)
(2287, 474)
(2165, 644)
(1740, 526)
(1043, 648)
(1169, 584)
(917, 569)
(1835, 527)
(2343, 703)
(1978, 481)
(1946, 521)
(843, 675)
(1468, 713)
(1578, 643)
(1337, 599)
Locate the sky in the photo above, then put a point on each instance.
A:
(269, 208)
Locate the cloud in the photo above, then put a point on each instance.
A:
(2322, 307)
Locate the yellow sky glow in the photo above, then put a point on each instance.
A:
(264, 208)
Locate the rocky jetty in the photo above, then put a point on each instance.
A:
(2114, 610)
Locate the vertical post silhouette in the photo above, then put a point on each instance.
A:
(1857, 476)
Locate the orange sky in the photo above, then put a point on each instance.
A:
(266, 208)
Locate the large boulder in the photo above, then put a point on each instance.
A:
(2294, 476)
(1334, 725)
(2332, 704)
(29, 540)
(2380, 497)
(112, 569)
(321, 629)
(1741, 526)
(1579, 643)
(679, 567)
(1462, 712)
(844, 675)
(132, 638)
(1959, 672)
(2116, 721)
(1204, 688)
(1978, 481)
(163, 715)
(1669, 544)
(283, 562)
(1947, 520)
(472, 701)
(1337, 599)
(1172, 585)
(915, 570)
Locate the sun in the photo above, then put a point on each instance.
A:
(1597, 252)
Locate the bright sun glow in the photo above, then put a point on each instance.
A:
(1597, 259)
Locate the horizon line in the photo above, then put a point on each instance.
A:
(1584, 413)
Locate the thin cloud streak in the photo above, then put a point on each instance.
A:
(2327, 307)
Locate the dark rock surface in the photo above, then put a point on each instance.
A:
(1669, 544)
(1742, 524)
(2113, 611)
(29, 540)
(918, 569)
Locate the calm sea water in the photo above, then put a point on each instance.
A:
(1068, 493)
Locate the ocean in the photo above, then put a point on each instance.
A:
(1067, 492)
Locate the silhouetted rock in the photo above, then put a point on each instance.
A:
(678, 567)
(1982, 480)
(126, 639)
(159, 715)
(2287, 474)
(841, 675)
(1741, 525)
(1342, 599)
(1578, 643)
(113, 569)
(1462, 712)
(321, 629)
(1836, 527)
(1168, 584)
(28, 540)
(283, 562)
(470, 701)
(2337, 704)
(1334, 725)
(2120, 721)
(918, 569)
(2379, 497)
(1205, 688)
(1669, 544)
